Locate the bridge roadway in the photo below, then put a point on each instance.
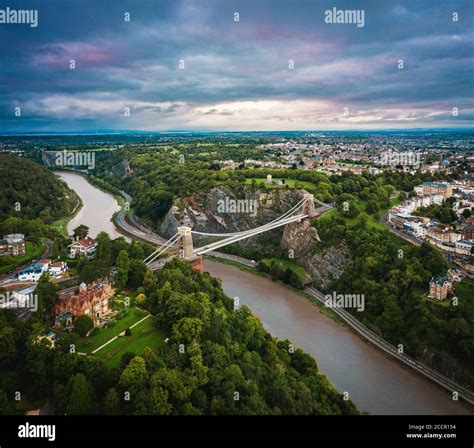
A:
(140, 231)
(247, 234)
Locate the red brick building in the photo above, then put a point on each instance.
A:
(91, 300)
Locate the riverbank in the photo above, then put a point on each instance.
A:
(61, 224)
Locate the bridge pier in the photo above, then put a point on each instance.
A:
(308, 205)
(185, 243)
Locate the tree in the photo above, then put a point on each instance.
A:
(77, 398)
(7, 345)
(140, 299)
(136, 273)
(104, 249)
(187, 330)
(6, 407)
(112, 402)
(123, 267)
(46, 293)
(135, 375)
(136, 251)
(149, 281)
(81, 231)
(125, 359)
(83, 324)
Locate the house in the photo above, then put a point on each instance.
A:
(57, 269)
(49, 336)
(63, 320)
(32, 273)
(90, 300)
(442, 234)
(440, 288)
(25, 297)
(13, 244)
(463, 247)
(82, 247)
(22, 298)
(45, 262)
(429, 188)
(468, 232)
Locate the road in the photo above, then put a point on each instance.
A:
(449, 256)
(6, 278)
(393, 351)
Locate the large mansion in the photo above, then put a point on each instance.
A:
(90, 300)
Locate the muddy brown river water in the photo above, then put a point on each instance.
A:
(376, 383)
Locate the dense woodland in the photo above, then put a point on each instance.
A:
(217, 361)
(29, 191)
(393, 276)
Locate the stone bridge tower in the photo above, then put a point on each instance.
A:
(308, 205)
(185, 243)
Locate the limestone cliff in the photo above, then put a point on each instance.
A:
(202, 213)
(325, 266)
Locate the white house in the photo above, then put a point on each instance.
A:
(85, 246)
(32, 273)
(24, 298)
(58, 268)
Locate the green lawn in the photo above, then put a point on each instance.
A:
(87, 345)
(61, 225)
(361, 206)
(33, 250)
(145, 334)
(291, 182)
(283, 263)
(465, 292)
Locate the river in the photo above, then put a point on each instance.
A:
(98, 206)
(376, 383)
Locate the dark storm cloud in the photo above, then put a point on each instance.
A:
(234, 66)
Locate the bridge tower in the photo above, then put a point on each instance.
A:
(185, 243)
(308, 205)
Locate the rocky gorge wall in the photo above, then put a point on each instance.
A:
(297, 240)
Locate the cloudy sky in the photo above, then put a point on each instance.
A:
(190, 65)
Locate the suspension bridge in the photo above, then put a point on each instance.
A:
(307, 208)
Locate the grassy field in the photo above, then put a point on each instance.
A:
(145, 334)
(465, 293)
(87, 345)
(32, 251)
(291, 182)
(61, 224)
(361, 206)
